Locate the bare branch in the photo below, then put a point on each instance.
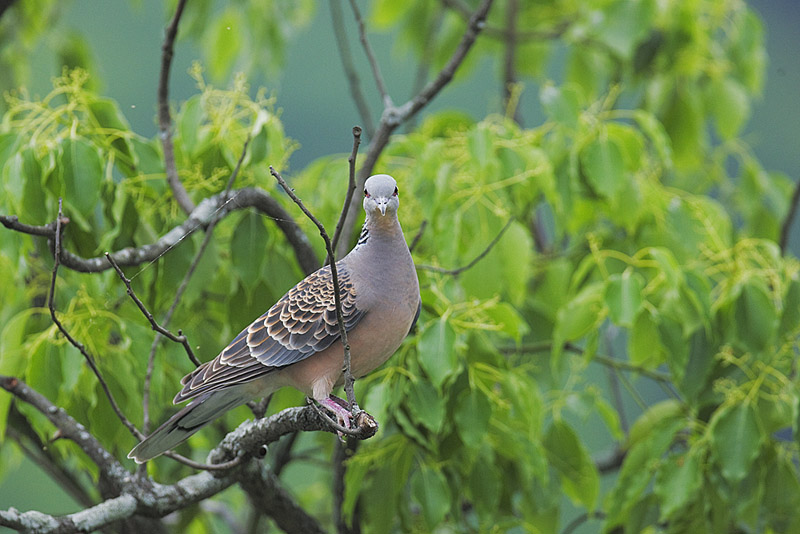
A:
(164, 119)
(502, 34)
(479, 257)
(351, 188)
(203, 214)
(252, 436)
(373, 62)
(268, 495)
(509, 63)
(88, 520)
(392, 116)
(68, 428)
(786, 227)
(158, 328)
(74, 342)
(349, 69)
(603, 360)
(348, 375)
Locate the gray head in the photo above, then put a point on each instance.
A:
(380, 194)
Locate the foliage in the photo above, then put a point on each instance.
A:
(643, 242)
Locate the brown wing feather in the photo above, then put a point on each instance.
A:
(301, 323)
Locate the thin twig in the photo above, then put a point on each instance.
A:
(786, 227)
(155, 326)
(509, 63)
(502, 34)
(223, 466)
(373, 62)
(349, 69)
(351, 188)
(182, 288)
(418, 236)
(479, 257)
(547, 346)
(164, 119)
(392, 116)
(74, 342)
(348, 375)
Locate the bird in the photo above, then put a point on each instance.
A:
(297, 341)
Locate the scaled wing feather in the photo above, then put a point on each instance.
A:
(303, 322)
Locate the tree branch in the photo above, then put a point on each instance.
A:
(350, 71)
(476, 259)
(203, 214)
(786, 228)
(70, 429)
(88, 520)
(351, 188)
(74, 342)
(268, 495)
(510, 60)
(337, 297)
(392, 116)
(164, 119)
(180, 338)
(373, 62)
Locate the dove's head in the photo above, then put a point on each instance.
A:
(380, 195)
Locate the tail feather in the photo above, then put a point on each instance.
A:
(186, 422)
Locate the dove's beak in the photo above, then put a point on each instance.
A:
(382, 202)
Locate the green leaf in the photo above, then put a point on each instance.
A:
(472, 417)
(80, 168)
(651, 435)
(602, 165)
(225, 43)
(756, 317)
(437, 352)
(561, 104)
(247, 248)
(430, 490)
(644, 341)
(426, 405)
(678, 481)
(790, 319)
(581, 314)
(729, 104)
(570, 458)
(683, 121)
(624, 297)
(735, 439)
(485, 484)
(624, 24)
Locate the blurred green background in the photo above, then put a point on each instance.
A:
(124, 40)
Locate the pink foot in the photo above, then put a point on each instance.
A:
(339, 408)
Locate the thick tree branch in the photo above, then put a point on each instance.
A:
(394, 116)
(203, 214)
(70, 429)
(88, 520)
(164, 119)
(252, 436)
(267, 494)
